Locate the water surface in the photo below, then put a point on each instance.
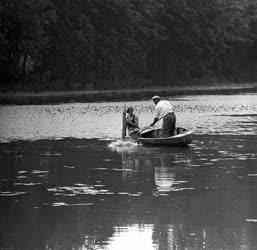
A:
(63, 187)
(206, 114)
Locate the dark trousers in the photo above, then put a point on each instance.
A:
(168, 125)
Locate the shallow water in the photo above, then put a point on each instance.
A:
(70, 190)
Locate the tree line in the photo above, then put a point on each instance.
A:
(99, 44)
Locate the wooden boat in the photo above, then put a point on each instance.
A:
(182, 137)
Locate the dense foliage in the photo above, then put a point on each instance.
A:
(78, 44)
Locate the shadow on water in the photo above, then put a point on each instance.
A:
(80, 194)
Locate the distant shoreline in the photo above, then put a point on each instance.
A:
(54, 97)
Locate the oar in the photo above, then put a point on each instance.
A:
(142, 130)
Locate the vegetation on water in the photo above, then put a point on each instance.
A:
(100, 44)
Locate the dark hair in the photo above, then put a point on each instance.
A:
(130, 108)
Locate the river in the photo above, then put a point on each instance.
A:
(63, 187)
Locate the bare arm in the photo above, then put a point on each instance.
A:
(154, 121)
(134, 124)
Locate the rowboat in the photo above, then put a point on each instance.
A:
(182, 137)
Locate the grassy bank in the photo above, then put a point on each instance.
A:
(122, 94)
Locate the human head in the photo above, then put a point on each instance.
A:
(130, 110)
(156, 99)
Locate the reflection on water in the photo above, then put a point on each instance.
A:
(80, 194)
(67, 193)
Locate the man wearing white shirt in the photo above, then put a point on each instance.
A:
(164, 109)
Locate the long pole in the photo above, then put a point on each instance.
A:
(140, 131)
(124, 124)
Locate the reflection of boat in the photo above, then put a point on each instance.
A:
(182, 137)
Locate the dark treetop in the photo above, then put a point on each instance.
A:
(99, 44)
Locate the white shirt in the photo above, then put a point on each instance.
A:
(162, 108)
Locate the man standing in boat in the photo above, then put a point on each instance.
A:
(164, 110)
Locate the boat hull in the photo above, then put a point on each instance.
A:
(183, 138)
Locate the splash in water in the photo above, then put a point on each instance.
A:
(121, 145)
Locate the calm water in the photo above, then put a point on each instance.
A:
(63, 187)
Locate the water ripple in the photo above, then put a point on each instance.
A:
(211, 114)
